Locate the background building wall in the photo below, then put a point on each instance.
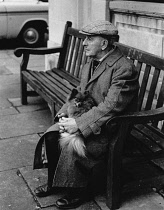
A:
(80, 12)
(140, 24)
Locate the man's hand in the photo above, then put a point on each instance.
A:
(67, 125)
(61, 115)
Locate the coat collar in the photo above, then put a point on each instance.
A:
(110, 60)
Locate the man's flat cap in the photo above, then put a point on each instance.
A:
(99, 27)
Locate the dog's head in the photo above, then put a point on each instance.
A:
(77, 97)
(79, 103)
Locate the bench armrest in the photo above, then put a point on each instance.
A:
(36, 51)
(141, 117)
(26, 52)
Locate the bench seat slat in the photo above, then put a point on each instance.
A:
(60, 91)
(45, 93)
(58, 79)
(153, 137)
(140, 137)
(53, 89)
(159, 162)
(38, 87)
(72, 80)
(56, 82)
(155, 130)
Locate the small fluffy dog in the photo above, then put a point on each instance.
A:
(78, 103)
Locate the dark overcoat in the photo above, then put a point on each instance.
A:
(114, 86)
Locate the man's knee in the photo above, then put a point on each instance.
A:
(52, 137)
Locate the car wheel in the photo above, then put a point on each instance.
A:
(32, 36)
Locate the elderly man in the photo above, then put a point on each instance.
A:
(112, 81)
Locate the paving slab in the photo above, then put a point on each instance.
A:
(4, 54)
(17, 152)
(34, 104)
(16, 102)
(142, 180)
(10, 91)
(4, 70)
(35, 178)
(4, 103)
(11, 79)
(31, 108)
(24, 123)
(8, 111)
(145, 199)
(11, 64)
(14, 194)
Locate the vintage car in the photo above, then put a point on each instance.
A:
(26, 20)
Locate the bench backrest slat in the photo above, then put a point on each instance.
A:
(70, 55)
(79, 59)
(138, 66)
(142, 56)
(149, 67)
(151, 92)
(74, 58)
(144, 82)
(160, 100)
(62, 56)
(67, 54)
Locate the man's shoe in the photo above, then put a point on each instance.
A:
(69, 202)
(44, 190)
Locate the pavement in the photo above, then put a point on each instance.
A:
(20, 129)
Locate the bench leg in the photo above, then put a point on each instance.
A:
(114, 182)
(23, 92)
(53, 110)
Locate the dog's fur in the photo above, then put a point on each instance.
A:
(78, 103)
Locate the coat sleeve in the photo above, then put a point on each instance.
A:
(62, 110)
(124, 86)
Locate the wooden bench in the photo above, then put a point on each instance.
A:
(54, 85)
(142, 126)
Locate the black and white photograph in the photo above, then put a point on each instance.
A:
(81, 104)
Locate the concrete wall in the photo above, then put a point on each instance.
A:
(80, 12)
(140, 24)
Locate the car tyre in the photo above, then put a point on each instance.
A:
(32, 36)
